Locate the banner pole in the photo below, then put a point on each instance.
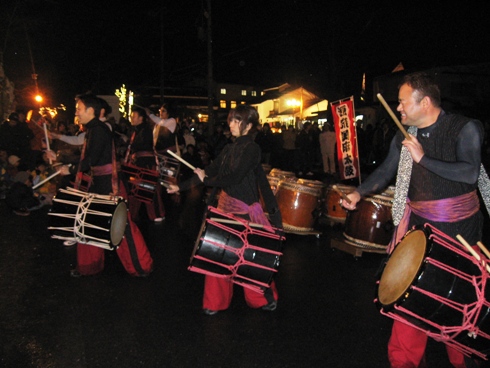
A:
(357, 142)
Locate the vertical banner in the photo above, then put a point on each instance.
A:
(345, 130)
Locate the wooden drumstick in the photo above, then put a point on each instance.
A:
(472, 251)
(47, 179)
(393, 116)
(484, 249)
(181, 160)
(233, 222)
(47, 140)
(163, 184)
(342, 194)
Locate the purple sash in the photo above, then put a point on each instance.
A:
(443, 210)
(229, 204)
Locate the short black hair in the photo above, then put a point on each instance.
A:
(91, 100)
(425, 85)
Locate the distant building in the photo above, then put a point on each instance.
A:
(287, 105)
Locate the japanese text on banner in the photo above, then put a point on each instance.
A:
(345, 130)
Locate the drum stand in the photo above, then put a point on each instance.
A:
(301, 232)
(356, 251)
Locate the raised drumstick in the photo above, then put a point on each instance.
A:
(393, 116)
(47, 140)
(342, 194)
(181, 160)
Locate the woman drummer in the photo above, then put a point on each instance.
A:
(235, 171)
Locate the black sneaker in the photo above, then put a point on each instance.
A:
(209, 312)
(270, 307)
(75, 273)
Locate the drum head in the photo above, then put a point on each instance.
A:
(402, 267)
(118, 223)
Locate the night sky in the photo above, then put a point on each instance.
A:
(322, 45)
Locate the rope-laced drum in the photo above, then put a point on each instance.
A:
(432, 283)
(88, 218)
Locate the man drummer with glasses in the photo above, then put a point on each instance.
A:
(438, 169)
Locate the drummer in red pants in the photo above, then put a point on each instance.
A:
(438, 166)
(236, 171)
(98, 159)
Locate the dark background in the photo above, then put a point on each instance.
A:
(325, 46)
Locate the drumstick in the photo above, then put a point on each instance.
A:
(47, 140)
(225, 221)
(163, 184)
(484, 249)
(48, 178)
(472, 251)
(342, 194)
(393, 116)
(182, 160)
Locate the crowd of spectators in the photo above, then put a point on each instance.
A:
(307, 151)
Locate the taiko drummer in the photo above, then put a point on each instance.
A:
(235, 171)
(438, 163)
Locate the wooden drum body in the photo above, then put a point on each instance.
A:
(333, 210)
(299, 205)
(371, 224)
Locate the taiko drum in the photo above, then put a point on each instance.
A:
(299, 205)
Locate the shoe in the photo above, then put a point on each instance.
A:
(209, 312)
(270, 307)
(21, 213)
(309, 173)
(159, 219)
(69, 243)
(75, 273)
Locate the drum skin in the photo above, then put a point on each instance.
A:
(281, 173)
(370, 224)
(409, 280)
(111, 227)
(299, 205)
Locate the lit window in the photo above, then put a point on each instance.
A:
(244, 92)
(232, 104)
(222, 104)
(223, 91)
(254, 93)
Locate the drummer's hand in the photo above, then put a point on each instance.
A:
(201, 173)
(172, 188)
(414, 147)
(64, 170)
(354, 197)
(51, 155)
